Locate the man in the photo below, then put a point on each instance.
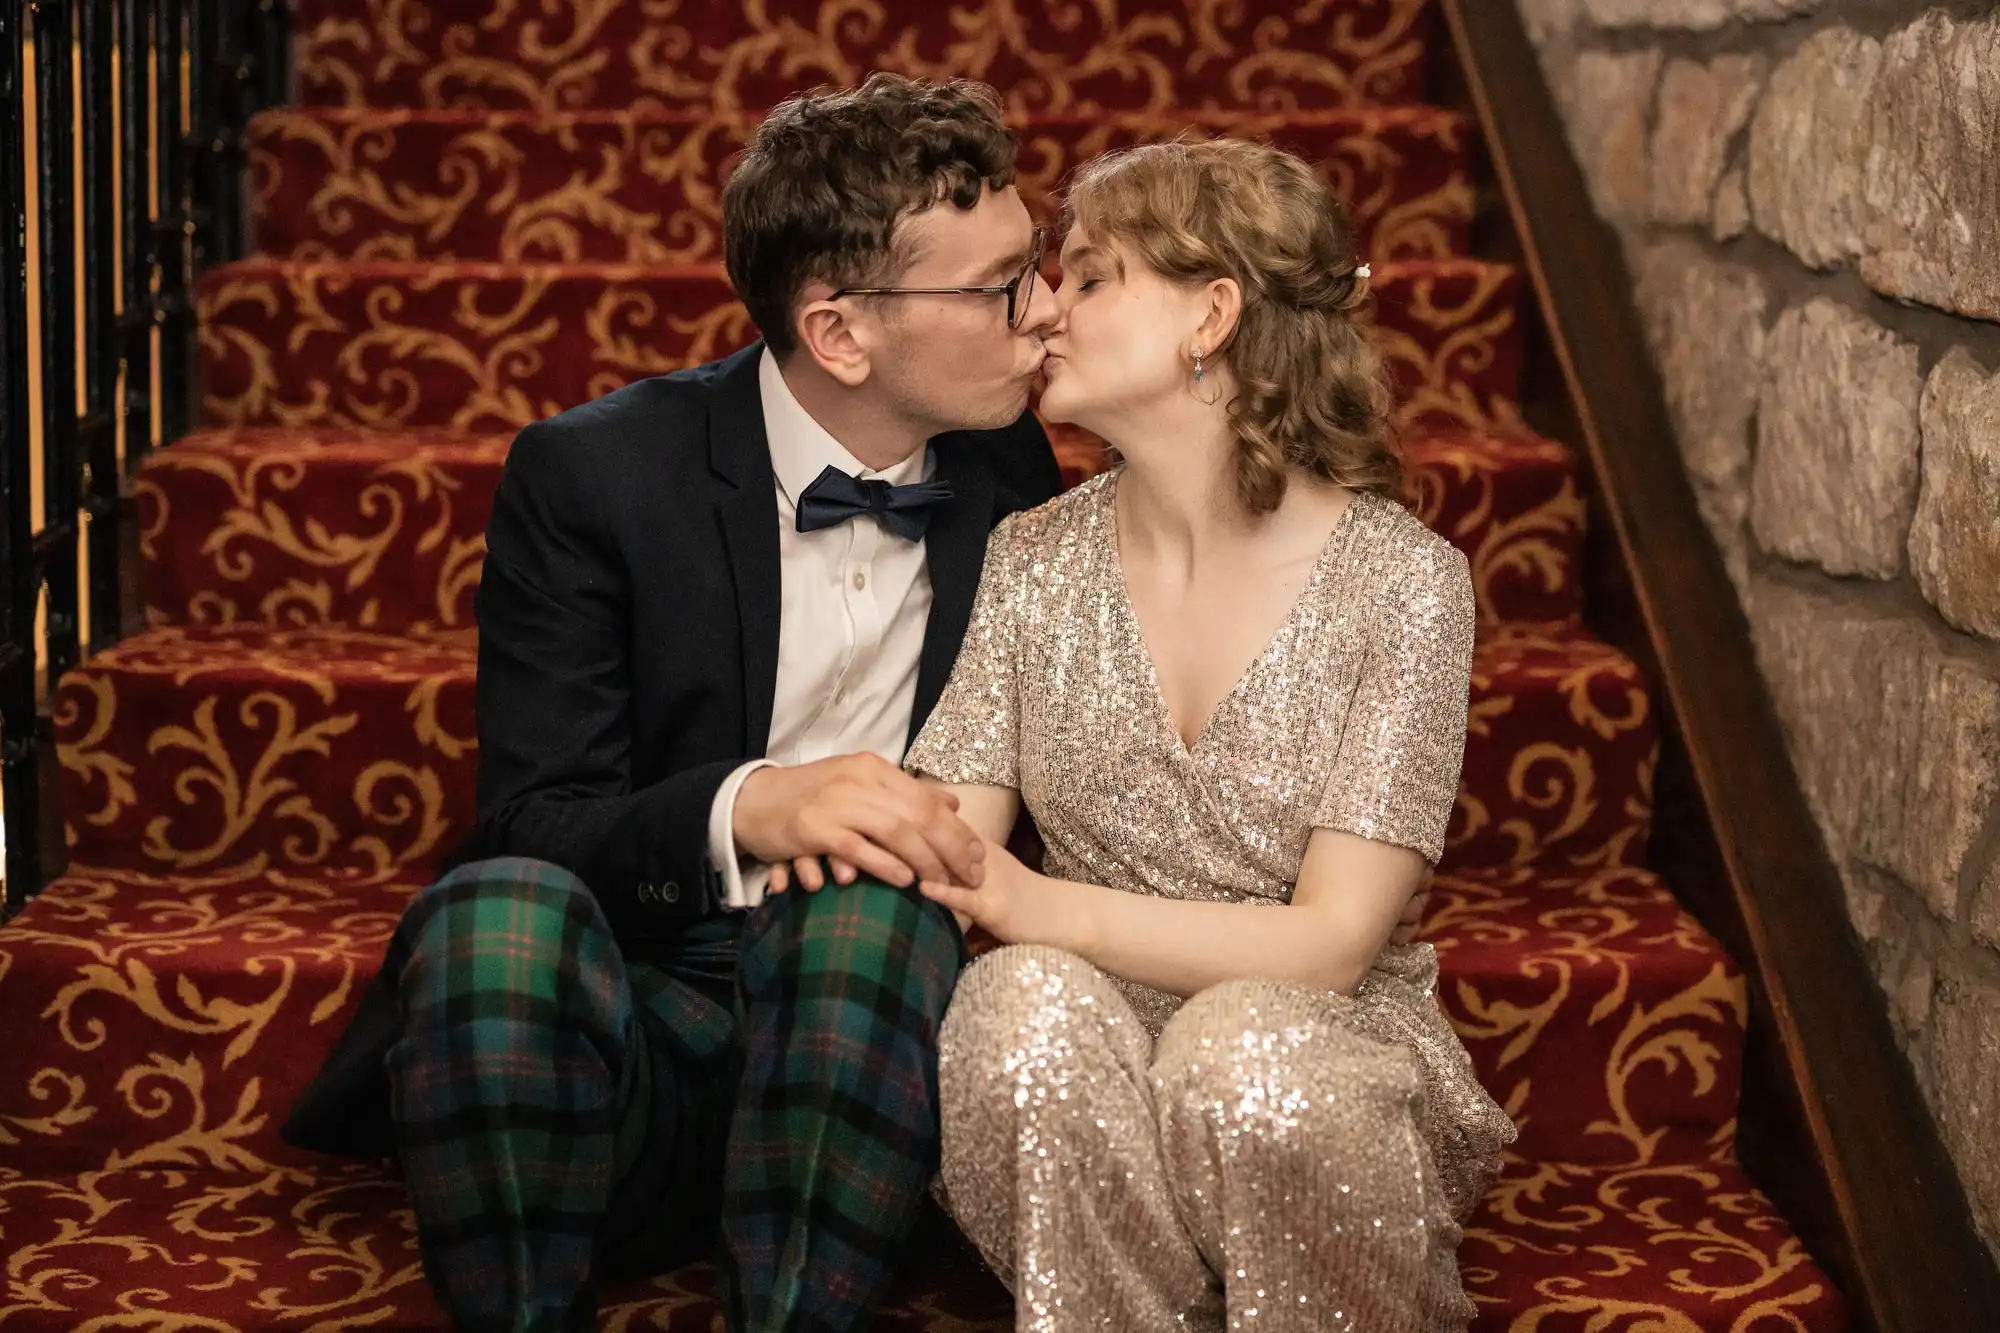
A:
(716, 607)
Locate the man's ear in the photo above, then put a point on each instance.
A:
(828, 336)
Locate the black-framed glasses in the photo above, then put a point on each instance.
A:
(1018, 291)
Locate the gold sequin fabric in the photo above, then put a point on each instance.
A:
(1267, 1154)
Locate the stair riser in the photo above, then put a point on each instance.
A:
(1559, 757)
(390, 537)
(488, 349)
(1620, 982)
(180, 760)
(452, 53)
(565, 189)
(193, 1026)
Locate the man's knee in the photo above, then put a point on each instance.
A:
(509, 924)
(886, 936)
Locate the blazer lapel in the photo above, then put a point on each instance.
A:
(954, 552)
(740, 452)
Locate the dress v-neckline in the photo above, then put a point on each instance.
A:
(1186, 749)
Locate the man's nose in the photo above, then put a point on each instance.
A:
(1042, 310)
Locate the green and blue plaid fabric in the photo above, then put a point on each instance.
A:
(554, 1104)
(835, 1134)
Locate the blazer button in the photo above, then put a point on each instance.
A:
(648, 894)
(670, 892)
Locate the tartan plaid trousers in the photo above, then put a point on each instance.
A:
(766, 1079)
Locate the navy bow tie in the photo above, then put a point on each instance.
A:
(834, 497)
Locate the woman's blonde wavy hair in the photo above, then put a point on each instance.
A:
(1311, 392)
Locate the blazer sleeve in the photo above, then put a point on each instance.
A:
(554, 703)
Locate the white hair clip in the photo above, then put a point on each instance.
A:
(1364, 272)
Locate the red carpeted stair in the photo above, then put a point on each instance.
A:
(485, 212)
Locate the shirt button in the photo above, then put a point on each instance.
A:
(860, 580)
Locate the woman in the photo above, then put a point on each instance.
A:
(1229, 680)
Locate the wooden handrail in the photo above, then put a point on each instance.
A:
(1834, 1127)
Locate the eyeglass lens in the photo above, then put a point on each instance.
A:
(1021, 295)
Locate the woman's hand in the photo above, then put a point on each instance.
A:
(1014, 903)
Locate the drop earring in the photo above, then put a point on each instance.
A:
(1197, 365)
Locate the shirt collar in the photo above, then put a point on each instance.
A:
(801, 448)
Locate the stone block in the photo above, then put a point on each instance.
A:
(1547, 19)
(1808, 147)
(1705, 322)
(1910, 1000)
(1986, 906)
(1931, 194)
(1964, 1059)
(1835, 480)
(1732, 206)
(1607, 117)
(1897, 745)
(1691, 14)
(1701, 107)
(1955, 537)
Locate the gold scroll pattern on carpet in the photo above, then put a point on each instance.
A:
(392, 185)
(350, 757)
(328, 527)
(484, 348)
(400, 523)
(350, 753)
(1078, 56)
(191, 1082)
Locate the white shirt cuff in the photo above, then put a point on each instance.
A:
(741, 886)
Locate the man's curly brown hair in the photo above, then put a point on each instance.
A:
(827, 176)
(1311, 393)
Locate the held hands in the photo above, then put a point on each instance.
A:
(1014, 903)
(864, 815)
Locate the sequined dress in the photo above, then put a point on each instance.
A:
(1267, 1154)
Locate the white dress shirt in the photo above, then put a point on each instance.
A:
(854, 601)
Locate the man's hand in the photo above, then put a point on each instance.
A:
(1413, 914)
(864, 815)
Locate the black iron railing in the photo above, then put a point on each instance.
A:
(132, 114)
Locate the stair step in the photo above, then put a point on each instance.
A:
(621, 187)
(170, 1021)
(487, 347)
(343, 753)
(318, 750)
(1559, 754)
(386, 531)
(1686, 1245)
(177, 1017)
(1135, 55)
(1596, 1010)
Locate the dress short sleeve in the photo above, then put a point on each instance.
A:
(1395, 776)
(973, 734)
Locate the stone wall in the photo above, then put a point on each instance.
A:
(1808, 193)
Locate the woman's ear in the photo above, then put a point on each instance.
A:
(1222, 308)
